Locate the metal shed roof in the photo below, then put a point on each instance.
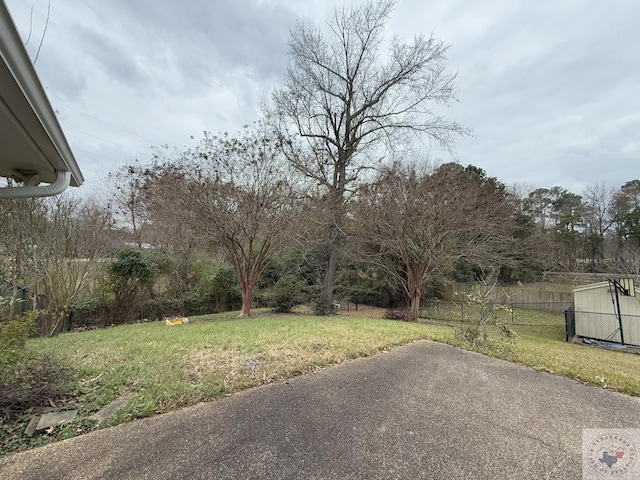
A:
(33, 148)
(599, 285)
(591, 286)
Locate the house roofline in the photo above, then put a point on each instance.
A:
(24, 102)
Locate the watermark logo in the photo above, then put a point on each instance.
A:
(610, 453)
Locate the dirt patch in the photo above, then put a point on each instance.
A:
(206, 361)
(362, 311)
(230, 365)
(347, 310)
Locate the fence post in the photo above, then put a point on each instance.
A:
(569, 323)
(462, 316)
(512, 318)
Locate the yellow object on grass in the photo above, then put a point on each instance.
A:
(176, 321)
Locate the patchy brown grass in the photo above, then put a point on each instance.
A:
(346, 310)
(171, 367)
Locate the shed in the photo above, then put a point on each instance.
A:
(608, 311)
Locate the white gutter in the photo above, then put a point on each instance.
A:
(27, 103)
(60, 185)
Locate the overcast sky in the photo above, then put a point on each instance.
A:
(551, 88)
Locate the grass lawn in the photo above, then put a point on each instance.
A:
(171, 367)
(165, 368)
(541, 345)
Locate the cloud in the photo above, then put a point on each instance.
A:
(550, 88)
(213, 38)
(114, 56)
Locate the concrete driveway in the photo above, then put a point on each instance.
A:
(425, 410)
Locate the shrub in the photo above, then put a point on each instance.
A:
(469, 334)
(507, 333)
(208, 290)
(13, 340)
(282, 303)
(403, 315)
(223, 290)
(91, 312)
(161, 307)
(131, 277)
(324, 307)
(287, 293)
(474, 337)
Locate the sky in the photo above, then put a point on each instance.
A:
(551, 89)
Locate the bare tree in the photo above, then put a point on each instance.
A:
(628, 259)
(417, 224)
(344, 99)
(598, 220)
(55, 250)
(625, 209)
(236, 192)
(22, 220)
(72, 246)
(598, 199)
(44, 31)
(128, 201)
(168, 228)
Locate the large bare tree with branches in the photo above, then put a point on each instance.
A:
(416, 225)
(127, 197)
(54, 246)
(348, 93)
(70, 246)
(235, 191)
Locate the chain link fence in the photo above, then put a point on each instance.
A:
(607, 327)
(466, 311)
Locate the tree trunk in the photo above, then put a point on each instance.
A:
(337, 213)
(415, 304)
(329, 278)
(14, 291)
(414, 289)
(246, 289)
(14, 300)
(57, 317)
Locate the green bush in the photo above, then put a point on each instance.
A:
(287, 293)
(209, 290)
(91, 312)
(469, 334)
(160, 307)
(131, 278)
(223, 290)
(507, 333)
(13, 341)
(324, 307)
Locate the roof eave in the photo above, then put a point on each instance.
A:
(15, 57)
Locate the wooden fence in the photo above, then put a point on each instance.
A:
(530, 298)
(577, 279)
